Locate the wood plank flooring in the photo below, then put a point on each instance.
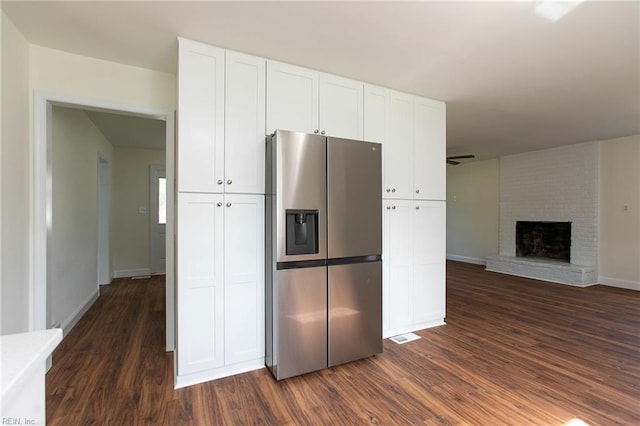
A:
(514, 351)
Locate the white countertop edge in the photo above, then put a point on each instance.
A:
(23, 352)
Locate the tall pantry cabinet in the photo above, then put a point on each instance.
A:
(220, 213)
(413, 136)
(227, 103)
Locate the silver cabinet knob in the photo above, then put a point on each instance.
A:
(388, 190)
(219, 204)
(394, 207)
(316, 131)
(388, 207)
(417, 191)
(322, 132)
(228, 204)
(229, 182)
(417, 207)
(393, 190)
(220, 181)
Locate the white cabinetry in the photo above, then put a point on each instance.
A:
(398, 147)
(244, 277)
(221, 283)
(413, 265)
(221, 120)
(429, 149)
(200, 282)
(244, 124)
(305, 100)
(413, 133)
(341, 107)
(200, 117)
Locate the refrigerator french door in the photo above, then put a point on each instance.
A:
(324, 245)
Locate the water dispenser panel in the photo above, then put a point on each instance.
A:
(302, 232)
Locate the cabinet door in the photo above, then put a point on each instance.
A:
(429, 150)
(244, 277)
(429, 240)
(292, 98)
(398, 147)
(200, 282)
(244, 124)
(200, 117)
(396, 261)
(375, 113)
(341, 107)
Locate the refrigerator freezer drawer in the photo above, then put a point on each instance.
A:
(301, 319)
(355, 311)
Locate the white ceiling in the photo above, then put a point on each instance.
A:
(513, 81)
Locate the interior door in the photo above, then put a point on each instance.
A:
(158, 219)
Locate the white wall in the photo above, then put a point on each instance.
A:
(69, 74)
(130, 229)
(14, 181)
(619, 227)
(74, 239)
(473, 199)
(27, 68)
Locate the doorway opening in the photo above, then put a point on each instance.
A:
(43, 202)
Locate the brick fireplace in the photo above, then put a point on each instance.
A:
(553, 193)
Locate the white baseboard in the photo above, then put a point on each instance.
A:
(184, 380)
(128, 273)
(614, 282)
(73, 319)
(466, 259)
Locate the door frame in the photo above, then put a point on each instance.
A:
(154, 171)
(104, 220)
(42, 186)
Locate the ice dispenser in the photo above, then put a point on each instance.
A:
(302, 231)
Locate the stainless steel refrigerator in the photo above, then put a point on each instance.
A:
(323, 249)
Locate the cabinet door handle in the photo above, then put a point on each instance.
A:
(417, 207)
(393, 190)
(316, 131)
(322, 132)
(229, 182)
(219, 204)
(388, 190)
(388, 207)
(394, 207)
(228, 204)
(417, 191)
(220, 181)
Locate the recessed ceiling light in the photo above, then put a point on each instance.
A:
(553, 10)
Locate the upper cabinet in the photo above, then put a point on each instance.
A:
(398, 147)
(375, 113)
(341, 107)
(429, 147)
(200, 117)
(304, 100)
(412, 131)
(221, 120)
(244, 124)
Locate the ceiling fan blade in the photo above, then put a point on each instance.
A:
(453, 162)
(456, 157)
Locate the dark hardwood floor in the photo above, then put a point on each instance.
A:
(514, 352)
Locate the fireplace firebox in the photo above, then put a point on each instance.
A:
(546, 240)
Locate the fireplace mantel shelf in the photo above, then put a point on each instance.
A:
(543, 269)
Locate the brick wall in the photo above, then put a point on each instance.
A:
(558, 184)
